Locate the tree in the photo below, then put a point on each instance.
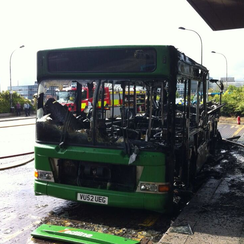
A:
(233, 99)
(5, 101)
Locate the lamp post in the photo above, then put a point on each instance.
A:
(226, 64)
(11, 96)
(182, 28)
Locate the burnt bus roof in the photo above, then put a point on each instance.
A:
(116, 62)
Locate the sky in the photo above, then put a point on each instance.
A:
(46, 24)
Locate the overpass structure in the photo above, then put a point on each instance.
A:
(220, 14)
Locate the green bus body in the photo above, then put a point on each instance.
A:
(153, 164)
(125, 152)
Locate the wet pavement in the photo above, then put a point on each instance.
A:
(20, 210)
(17, 136)
(215, 215)
(10, 162)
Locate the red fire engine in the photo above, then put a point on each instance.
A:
(67, 97)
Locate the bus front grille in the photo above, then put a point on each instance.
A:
(114, 177)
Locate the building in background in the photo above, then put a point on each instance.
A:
(230, 81)
(26, 91)
(181, 87)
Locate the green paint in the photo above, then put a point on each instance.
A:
(74, 235)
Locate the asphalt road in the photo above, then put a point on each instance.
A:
(20, 210)
(17, 136)
(230, 130)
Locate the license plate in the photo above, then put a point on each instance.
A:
(92, 198)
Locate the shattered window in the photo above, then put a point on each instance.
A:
(128, 114)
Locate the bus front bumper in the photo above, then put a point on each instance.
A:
(137, 200)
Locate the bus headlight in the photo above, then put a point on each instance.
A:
(44, 175)
(148, 187)
(152, 187)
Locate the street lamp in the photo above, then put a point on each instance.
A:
(182, 28)
(11, 96)
(226, 75)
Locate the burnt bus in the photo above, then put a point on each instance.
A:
(117, 154)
